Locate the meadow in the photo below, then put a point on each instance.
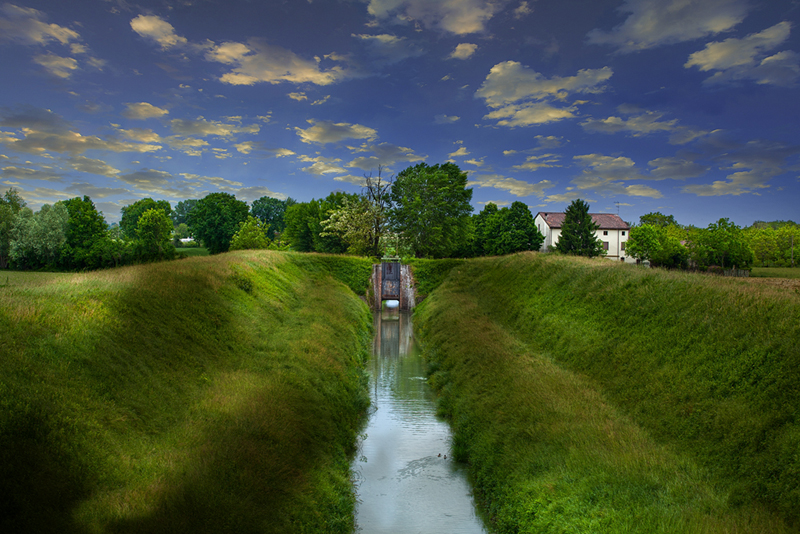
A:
(210, 394)
(591, 396)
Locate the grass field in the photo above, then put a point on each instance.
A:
(591, 396)
(775, 272)
(218, 394)
(193, 251)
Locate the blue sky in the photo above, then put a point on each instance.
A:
(688, 107)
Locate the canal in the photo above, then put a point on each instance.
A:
(406, 479)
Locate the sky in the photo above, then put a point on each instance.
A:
(687, 107)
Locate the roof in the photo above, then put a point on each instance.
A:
(606, 221)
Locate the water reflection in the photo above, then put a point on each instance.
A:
(406, 483)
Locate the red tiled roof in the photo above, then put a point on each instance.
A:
(607, 221)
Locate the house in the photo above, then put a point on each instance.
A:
(613, 232)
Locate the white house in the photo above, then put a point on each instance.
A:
(613, 232)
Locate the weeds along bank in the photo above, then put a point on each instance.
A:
(590, 396)
(218, 394)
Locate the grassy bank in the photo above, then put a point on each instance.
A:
(590, 396)
(217, 394)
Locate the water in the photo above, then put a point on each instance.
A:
(407, 480)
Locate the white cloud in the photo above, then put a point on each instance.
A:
(203, 127)
(522, 10)
(27, 26)
(675, 169)
(643, 123)
(92, 166)
(84, 188)
(463, 51)
(534, 163)
(298, 96)
(653, 23)
(260, 62)
(521, 96)
(741, 59)
(60, 67)
(510, 82)
(157, 29)
(445, 119)
(454, 16)
(323, 132)
(142, 110)
(322, 165)
(384, 154)
(516, 187)
(607, 174)
(24, 173)
(461, 152)
(40, 142)
(248, 147)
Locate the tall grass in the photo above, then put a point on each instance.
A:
(590, 396)
(217, 394)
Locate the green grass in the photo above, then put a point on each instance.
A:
(775, 272)
(591, 396)
(217, 394)
(191, 252)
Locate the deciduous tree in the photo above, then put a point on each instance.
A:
(131, 214)
(216, 218)
(252, 234)
(85, 228)
(10, 205)
(271, 212)
(154, 233)
(431, 208)
(511, 230)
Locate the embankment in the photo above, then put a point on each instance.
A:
(590, 396)
(218, 394)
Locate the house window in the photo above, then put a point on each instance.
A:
(623, 232)
(605, 245)
(605, 232)
(623, 245)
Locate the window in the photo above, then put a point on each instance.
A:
(623, 232)
(605, 245)
(605, 232)
(623, 245)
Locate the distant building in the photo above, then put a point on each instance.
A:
(613, 232)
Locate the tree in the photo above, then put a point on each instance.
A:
(180, 215)
(355, 224)
(271, 212)
(305, 225)
(154, 232)
(657, 218)
(85, 228)
(511, 230)
(480, 222)
(377, 194)
(131, 214)
(10, 205)
(577, 232)
(723, 244)
(37, 238)
(430, 209)
(252, 234)
(658, 245)
(216, 218)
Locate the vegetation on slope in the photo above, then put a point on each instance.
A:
(207, 395)
(594, 396)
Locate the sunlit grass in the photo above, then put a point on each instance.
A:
(775, 272)
(203, 395)
(590, 396)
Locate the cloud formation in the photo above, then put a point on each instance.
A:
(324, 132)
(654, 23)
(28, 26)
(515, 187)
(142, 110)
(454, 16)
(463, 51)
(521, 96)
(747, 59)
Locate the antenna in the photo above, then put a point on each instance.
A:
(617, 203)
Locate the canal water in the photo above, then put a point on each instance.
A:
(406, 479)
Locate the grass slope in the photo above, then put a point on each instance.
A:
(590, 396)
(217, 394)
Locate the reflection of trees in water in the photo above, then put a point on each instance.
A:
(396, 364)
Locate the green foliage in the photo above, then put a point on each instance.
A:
(85, 230)
(722, 243)
(672, 399)
(577, 232)
(180, 215)
(429, 274)
(132, 213)
(10, 205)
(480, 222)
(37, 238)
(657, 218)
(215, 218)
(271, 212)
(774, 245)
(154, 232)
(510, 230)
(351, 271)
(305, 225)
(165, 398)
(252, 234)
(354, 224)
(657, 245)
(431, 208)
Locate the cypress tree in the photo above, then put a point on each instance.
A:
(577, 232)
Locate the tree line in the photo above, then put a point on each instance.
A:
(659, 239)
